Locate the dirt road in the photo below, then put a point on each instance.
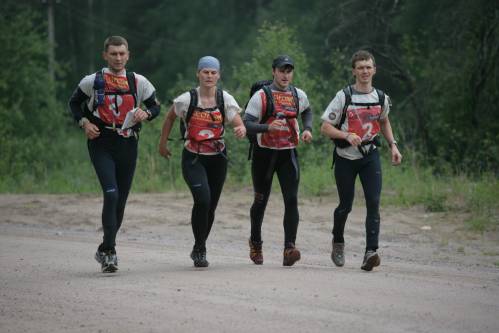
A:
(434, 276)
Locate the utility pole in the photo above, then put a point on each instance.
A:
(91, 63)
(51, 38)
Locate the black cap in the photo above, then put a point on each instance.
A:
(283, 60)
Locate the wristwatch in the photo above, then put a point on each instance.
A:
(393, 143)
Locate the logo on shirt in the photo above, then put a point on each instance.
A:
(332, 116)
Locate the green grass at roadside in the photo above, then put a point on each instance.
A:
(413, 184)
(65, 168)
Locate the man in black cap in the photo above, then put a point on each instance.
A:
(272, 114)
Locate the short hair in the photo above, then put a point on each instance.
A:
(362, 55)
(116, 41)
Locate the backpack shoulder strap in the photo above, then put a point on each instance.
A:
(132, 86)
(294, 91)
(348, 100)
(381, 97)
(269, 103)
(221, 103)
(192, 104)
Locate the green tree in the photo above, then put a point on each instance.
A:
(28, 116)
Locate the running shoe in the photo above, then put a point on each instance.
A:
(290, 256)
(99, 256)
(337, 254)
(371, 260)
(256, 254)
(199, 258)
(108, 261)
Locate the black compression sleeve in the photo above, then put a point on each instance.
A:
(306, 118)
(152, 106)
(253, 126)
(75, 103)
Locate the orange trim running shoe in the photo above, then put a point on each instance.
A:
(290, 256)
(256, 253)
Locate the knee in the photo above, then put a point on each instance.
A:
(202, 204)
(372, 203)
(201, 197)
(342, 210)
(290, 201)
(111, 195)
(260, 199)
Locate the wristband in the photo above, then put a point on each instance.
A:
(83, 121)
(393, 143)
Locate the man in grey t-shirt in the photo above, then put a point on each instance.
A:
(355, 131)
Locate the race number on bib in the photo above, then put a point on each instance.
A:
(364, 122)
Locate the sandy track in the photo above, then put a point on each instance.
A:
(442, 280)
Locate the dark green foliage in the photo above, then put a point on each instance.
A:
(31, 120)
(436, 59)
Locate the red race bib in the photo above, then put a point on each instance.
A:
(364, 121)
(204, 131)
(287, 136)
(115, 107)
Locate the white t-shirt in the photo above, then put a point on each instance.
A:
(181, 104)
(332, 115)
(255, 106)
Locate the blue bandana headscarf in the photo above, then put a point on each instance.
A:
(208, 62)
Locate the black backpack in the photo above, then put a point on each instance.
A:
(342, 143)
(193, 105)
(265, 86)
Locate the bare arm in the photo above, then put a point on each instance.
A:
(239, 128)
(386, 129)
(165, 132)
(333, 133)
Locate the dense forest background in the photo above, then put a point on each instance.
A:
(438, 61)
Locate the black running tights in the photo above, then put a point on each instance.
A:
(265, 163)
(205, 176)
(114, 159)
(368, 169)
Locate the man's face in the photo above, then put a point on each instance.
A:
(208, 77)
(364, 71)
(116, 57)
(283, 76)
